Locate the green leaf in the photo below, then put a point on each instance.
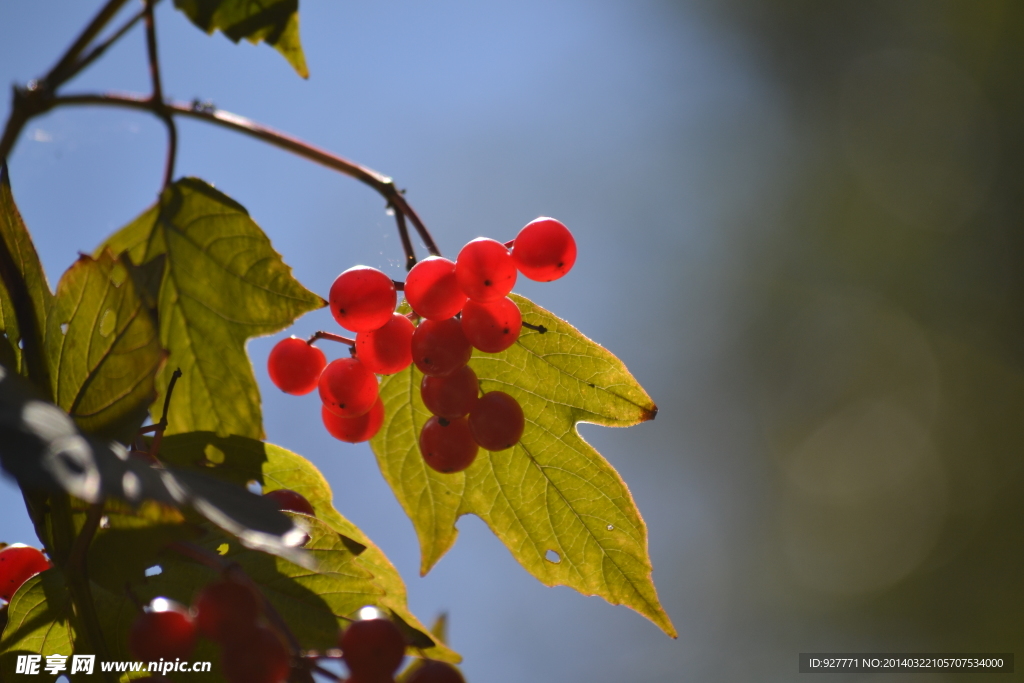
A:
(221, 283)
(19, 266)
(552, 495)
(38, 622)
(273, 21)
(103, 348)
(242, 460)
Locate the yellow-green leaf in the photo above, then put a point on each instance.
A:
(273, 21)
(102, 347)
(38, 623)
(220, 282)
(562, 510)
(242, 460)
(19, 264)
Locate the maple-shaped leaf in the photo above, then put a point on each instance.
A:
(216, 281)
(273, 21)
(560, 508)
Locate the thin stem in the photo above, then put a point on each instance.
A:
(76, 561)
(399, 286)
(329, 674)
(64, 68)
(233, 572)
(158, 436)
(536, 328)
(384, 185)
(330, 336)
(157, 99)
(403, 234)
(98, 51)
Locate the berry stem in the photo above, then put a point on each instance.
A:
(400, 286)
(157, 98)
(510, 244)
(403, 234)
(535, 328)
(330, 336)
(158, 435)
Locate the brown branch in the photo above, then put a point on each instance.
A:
(403, 234)
(157, 99)
(384, 185)
(98, 51)
(64, 68)
(330, 336)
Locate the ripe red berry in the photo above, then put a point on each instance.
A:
(291, 501)
(439, 347)
(166, 631)
(450, 396)
(492, 327)
(347, 388)
(354, 429)
(544, 250)
(432, 289)
(496, 421)
(485, 270)
(224, 607)
(255, 655)
(363, 299)
(436, 672)
(373, 649)
(387, 350)
(448, 445)
(295, 366)
(18, 564)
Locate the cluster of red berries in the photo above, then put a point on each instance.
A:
(18, 564)
(460, 306)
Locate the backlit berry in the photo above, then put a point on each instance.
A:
(373, 649)
(439, 347)
(485, 270)
(492, 327)
(432, 289)
(354, 429)
(292, 501)
(448, 445)
(166, 631)
(18, 564)
(436, 672)
(362, 299)
(450, 396)
(295, 366)
(347, 388)
(255, 655)
(496, 421)
(224, 607)
(388, 349)
(544, 250)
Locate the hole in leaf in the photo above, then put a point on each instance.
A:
(108, 322)
(154, 570)
(254, 487)
(21, 343)
(552, 557)
(62, 679)
(223, 549)
(104, 522)
(611, 527)
(63, 328)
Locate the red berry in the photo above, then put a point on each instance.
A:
(485, 270)
(450, 396)
(363, 299)
(255, 655)
(224, 607)
(295, 366)
(347, 388)
(354, 429)
(373, 649)
(448, 445)
(165, 632)
(291, 501)
(387, 350)
(544, 250)
(439, 347)
(436, 672)
(432, 289)
(18, 564)
(496, 421)
(492, 327)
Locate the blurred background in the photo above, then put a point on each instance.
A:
(799, 224)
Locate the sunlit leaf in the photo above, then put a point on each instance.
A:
(103, 348)
(241, 460)
(273, 21)
(38, 622)
(20, 265)
(562, 510)
(222, 283)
